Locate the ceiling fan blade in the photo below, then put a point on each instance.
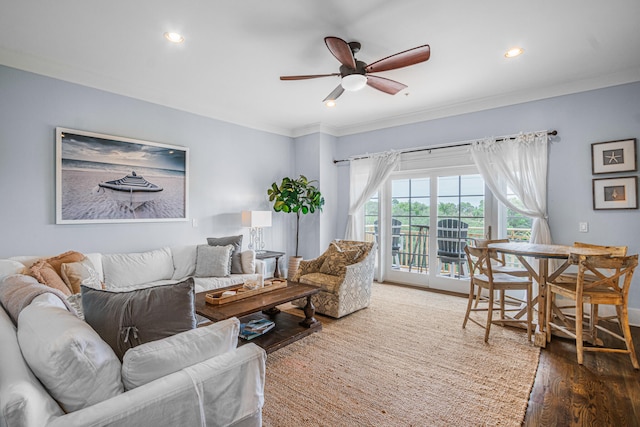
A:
(334, 94)
(402, 59)
(341, 50)
(310, 76)
(385, 85)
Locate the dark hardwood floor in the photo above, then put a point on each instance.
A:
(605, 391)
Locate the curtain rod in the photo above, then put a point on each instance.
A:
(415, 150)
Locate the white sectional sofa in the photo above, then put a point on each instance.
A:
(197, 377)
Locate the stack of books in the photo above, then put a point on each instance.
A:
(255, 328)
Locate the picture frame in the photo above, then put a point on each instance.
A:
(615, 193)
(614, 156)
(111, 179)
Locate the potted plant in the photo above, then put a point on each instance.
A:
(299, 196)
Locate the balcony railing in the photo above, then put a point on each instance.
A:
(412, 252)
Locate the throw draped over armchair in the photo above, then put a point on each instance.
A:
(344, 272)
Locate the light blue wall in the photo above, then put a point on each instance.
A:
(231, 168)
(580, 119)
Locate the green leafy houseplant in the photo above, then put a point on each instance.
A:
(297, 196)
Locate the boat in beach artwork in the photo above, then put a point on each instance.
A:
(132, 190)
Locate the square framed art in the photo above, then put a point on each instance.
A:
(615, 193)
(613, 156)
(109, 179)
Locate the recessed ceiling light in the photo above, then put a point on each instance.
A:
(513, 52)
(174, 37)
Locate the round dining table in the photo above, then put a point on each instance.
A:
(543, 253)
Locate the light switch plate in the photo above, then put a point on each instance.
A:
(583, 227)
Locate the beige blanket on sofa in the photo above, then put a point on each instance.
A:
(17, 291)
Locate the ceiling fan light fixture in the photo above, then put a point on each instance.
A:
(330, 103)
(354, 82)
(174, 37)
(513, 52)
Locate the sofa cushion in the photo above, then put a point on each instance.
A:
(326, 282)
(236, 241)
(156, 359)
(126, 270)
(213, 261)
(127, 319)
(23, 399)
(9, 267)
(184, 261)
(68, 357)
(79, 273)
(248, 259)
(44, 273)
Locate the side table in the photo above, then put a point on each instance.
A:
(271, 254)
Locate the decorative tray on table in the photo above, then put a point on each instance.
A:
(238, 292)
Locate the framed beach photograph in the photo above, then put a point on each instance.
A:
(613, 156)
(110, 179)
(615, 193)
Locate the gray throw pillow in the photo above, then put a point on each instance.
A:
(213, 261)
(127, 319)
(236, 241)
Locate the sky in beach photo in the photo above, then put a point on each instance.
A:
(102, 150)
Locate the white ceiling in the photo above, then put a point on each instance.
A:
(228, 67)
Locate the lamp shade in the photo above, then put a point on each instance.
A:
(256, 218)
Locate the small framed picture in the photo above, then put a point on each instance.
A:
(613, 156)
(615, 193)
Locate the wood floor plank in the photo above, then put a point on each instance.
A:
(605, 391)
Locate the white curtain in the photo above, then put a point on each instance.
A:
(522, 165)
(366, 176)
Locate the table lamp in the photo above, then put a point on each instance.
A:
(256, 220)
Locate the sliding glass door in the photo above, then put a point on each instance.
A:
(431, 216)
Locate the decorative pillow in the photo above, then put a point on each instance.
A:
(57, 261)
(9, 267)
(79, 273)
(68, 357)
(156, 359)
(236, 241)
(127, 319)
(127, 270)
(44, 273)
(248, 259)
(336, 260)
(213, 261)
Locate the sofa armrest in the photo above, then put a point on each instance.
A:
(259, 266)
(221, 391)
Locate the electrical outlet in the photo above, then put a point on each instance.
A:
(583, 227)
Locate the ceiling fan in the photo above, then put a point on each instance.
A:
(356, 74)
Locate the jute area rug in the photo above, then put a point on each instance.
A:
(404, 361)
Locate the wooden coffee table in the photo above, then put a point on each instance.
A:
(289, 328)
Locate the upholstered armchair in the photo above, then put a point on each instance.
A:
(344, 272)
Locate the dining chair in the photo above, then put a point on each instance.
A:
(451, 240)
(482, 277)
(571, 277)
(499, 262)
(611, 287)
